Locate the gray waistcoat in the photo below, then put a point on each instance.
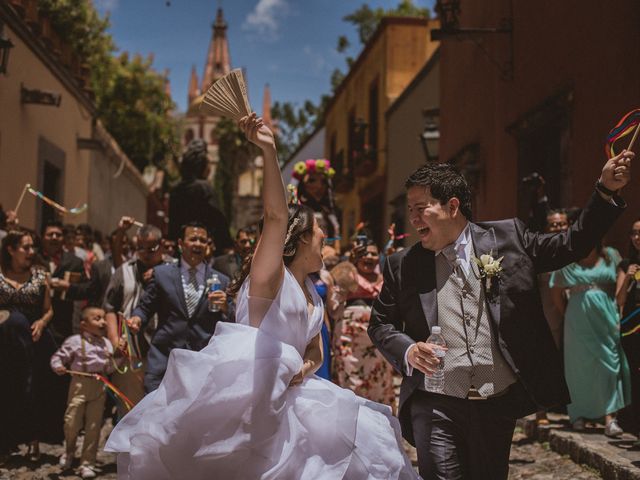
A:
(473, 358)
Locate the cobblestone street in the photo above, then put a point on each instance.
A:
(529, 460)
(536, 461)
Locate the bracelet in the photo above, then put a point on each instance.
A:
(604, 190)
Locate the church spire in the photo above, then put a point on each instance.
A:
(266, 107)
(218, 61)
(193, 85)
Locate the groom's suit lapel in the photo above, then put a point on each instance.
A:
(484, 242)
(423, 268)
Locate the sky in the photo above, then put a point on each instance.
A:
(288, 44)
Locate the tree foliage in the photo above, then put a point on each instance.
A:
(235, 153)
(366, 19)
(130, 96)
(295, 124)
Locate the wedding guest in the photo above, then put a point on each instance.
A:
(61, 263)
(194, 199)
(123, 294)
(169, 249)
(358, 365)
(232, 262)
(316, 192)
(556, 222)
(94, 289)
(88, 352)
(595, 365)
(25, 346)
(628, 300)
(177, 294)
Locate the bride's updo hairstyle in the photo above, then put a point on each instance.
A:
(300, 223)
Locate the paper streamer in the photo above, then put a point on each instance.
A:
(624, 127)
(52, 203)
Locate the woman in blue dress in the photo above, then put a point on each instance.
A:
(596, 368)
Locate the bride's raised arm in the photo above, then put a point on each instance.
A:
(267, 267)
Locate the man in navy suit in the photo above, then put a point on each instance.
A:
(178, 295)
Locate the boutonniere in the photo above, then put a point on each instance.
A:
(490, 268)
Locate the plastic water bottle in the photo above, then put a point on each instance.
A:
(435, 382)
(213, 285)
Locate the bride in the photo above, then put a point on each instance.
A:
(248, 406)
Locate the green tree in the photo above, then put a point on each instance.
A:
(366, 20)
(234, 154)
(136, 110)
(130, 96)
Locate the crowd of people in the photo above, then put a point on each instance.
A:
(78, 308)
(590, 308)
(83, 315)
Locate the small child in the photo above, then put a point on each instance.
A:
(88, 352)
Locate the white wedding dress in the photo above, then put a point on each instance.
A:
(227, 412)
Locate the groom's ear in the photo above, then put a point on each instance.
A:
(454, 207)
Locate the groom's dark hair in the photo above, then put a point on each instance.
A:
(445, 182)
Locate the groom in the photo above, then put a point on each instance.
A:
(501, 361)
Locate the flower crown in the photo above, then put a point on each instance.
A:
(320, 165)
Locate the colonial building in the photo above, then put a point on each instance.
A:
(537, 94)
(49, 135)
(356, 130)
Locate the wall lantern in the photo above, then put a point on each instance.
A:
(430, 136)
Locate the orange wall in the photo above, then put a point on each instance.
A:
(594, 50)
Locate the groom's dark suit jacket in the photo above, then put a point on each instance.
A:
(406, 308)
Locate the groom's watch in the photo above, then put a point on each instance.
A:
(604, 190)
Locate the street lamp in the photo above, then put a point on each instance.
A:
(5, 47)
(430, 139)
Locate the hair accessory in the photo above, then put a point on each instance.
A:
(293, 195)
(293, 225)
(301, 169)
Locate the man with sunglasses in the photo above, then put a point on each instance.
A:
(123, 294)
(177, 294)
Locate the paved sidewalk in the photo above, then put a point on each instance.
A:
(614, 459)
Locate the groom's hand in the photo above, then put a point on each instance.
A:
(617, 171)
(423, 357)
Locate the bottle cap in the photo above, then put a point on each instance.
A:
(436, 330)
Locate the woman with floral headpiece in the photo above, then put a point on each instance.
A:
(358, 365)
(315, 191)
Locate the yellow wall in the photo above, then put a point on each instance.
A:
(394, 55)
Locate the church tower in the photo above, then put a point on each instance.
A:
(198, 124)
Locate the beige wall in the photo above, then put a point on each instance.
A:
(405, 122)
(31, 134)
(21, 127)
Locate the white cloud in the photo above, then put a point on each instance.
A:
(106, 5)
(318, 62)
(265, 18)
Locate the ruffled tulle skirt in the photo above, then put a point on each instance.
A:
(227, 412)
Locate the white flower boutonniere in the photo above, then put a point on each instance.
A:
(489, 267)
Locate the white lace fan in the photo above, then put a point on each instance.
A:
(228, 96)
